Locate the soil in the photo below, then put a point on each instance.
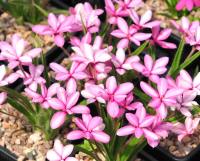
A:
(9, 26)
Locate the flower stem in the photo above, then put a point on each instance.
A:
(191, 52)
(65, 51)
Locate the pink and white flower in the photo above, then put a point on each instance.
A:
(60, 152)
(159, 38)
(162, 97)
(86, 17)
(56, 27)
(122, 63)
(65, 103)
(128, 34)
(16, 54)
(185, 129)
(152, 69)
(45, 95)
(91, 128)
(34, 78)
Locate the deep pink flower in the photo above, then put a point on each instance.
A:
(65, 103)
(3, 97)
(113, 94)
(189, 4)
(185, 129)
(34, 78)
(162, 97)
(128, 34)
(113, 12)
(60, 152)
(152, 69)
(5, 77)
(15, 52)
(56, 27)
(139, 124)
(91, 128)
(143, 21)
(159, 38)
(86, 17)
(122, 63)
(44, 96)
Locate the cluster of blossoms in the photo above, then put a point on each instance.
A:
(97, 71)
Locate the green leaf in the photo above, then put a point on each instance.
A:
(143, 97)
(177, 58)
(86, 151)
(21, 109)
(187, 62)
(133, 147)
(140, 49)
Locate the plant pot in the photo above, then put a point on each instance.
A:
(6, 155)
(162, 154)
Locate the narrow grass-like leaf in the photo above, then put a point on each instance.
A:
(177, 58)
(140, 49)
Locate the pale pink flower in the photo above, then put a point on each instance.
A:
(16, 54)
(65, 103)
(3, 97)
(5, 77)
(159, 38)
(162, 97)
(60, 152)
(139, 124)
(194, 40)
(186, 27)
(33, 78)
(45, 95)
(186, 129)
(86, 17)
(144, 20)
(56, 27)
(185, 103)
(91, 94)
(76, 72)
(91, 128)
(113, 94)
(128, 34)
(185, 81)
(159, 128)
(152, 69)
(188, 4)
(122, 63)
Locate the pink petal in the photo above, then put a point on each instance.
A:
(148, 61)
(56, 104)
(164, 34)
(126, 130)
(59, 40)
(147, 122)
(58, 147)
(53, 156)
(148, 89)
(124, 88)
(122, 24)
(132, 119)
(96, 121)
(72, 100)
(57, 120)
(123, 43)
(118, 34)
(112, 109)
(75, 135)
(52, 20)
(67, 150)
(80, 109)
(101, 136)
(162, 86)
(111, 84)
(42, 30)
